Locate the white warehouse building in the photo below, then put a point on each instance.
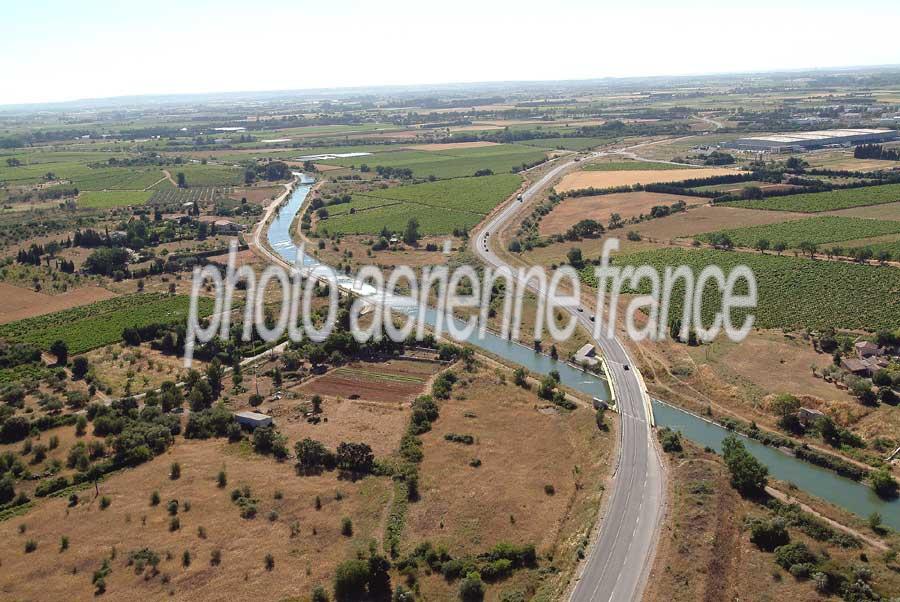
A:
(800, 141)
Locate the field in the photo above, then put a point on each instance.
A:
(209, 175)
(131, 524)
(815, 202)
(708, 218)
(704, 554)
(468, 509)
(790, 289)
(736, 188)
(440, 207)
(392, 381)
(632, 166)
(170, 195)
(628, 177)
(108, 199)
(892, 247)
(501, 158)
(573, 144)
(20, 303)
(816, 230)
(118, 178)
(601, 208)
(101, 323)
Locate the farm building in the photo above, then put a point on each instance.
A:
(252, 419)
(224, 226)
(587, 356)
(800, 141)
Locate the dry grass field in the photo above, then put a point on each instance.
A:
(886, 211)
(130, 523)
(19, 303)
(523, 446)
(449, 146)
(395, 381)
(601, 208)
(707, 218)
(704, 554)
(610, 179)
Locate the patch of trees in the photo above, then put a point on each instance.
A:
(271, 171)
(875, 151)
(107, 261)
(399, 173)
(586, 228)
(363, 579)
(669, 440)
(748, 475)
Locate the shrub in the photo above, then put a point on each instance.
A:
(346, 527)
(350, 580)
(175, 471)
(104, 502)
(793, 553)
(215, 558)
(768, 535)
(154, 498)
(471, 589)
(30, 546)
(669, 440)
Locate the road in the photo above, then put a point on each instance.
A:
(619, 561)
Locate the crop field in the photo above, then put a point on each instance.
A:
(574, 144)
(169, 195)
(118, 178)
(98, 324)
(816, 230)
(631, 166)
(96, 199)
(892, 247)
(500, 158)
(792, 292)
(815, 202)
(610, 178)
(439, 206)
(737, 187)
(209, 175)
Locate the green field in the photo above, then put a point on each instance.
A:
(440, 206)
(575, 144)
(119, 198)
(118, 178)
(209, 175)
(501, 158)
(101, 323)
(793, 292)
(892, 247)
(816, 230)
(630, 166)
(815, 202)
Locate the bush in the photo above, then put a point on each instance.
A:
(670, 440)
(471, 589)
(175, 471)
(346, 527)
(768, 535)
(793, 553)
(30, 546)
(350, 580)
(748, 475)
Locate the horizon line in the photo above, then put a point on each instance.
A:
(436, 85)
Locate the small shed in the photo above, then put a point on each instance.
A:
(866, 349)
(587, 355)
(252, 419)
(854, 366)
(808, 416)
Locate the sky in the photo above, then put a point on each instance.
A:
(57, 50)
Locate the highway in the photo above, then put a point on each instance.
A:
(619, 560)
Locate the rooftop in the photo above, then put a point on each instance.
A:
(817, 135)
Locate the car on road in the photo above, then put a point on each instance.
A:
(519, 198)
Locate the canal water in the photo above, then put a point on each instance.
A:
(825, 484)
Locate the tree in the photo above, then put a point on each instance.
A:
(574, 258)
(471, 589)
(411, 233)
(808, 248)
(379, 578)
(884, 483)
(106, 261)
(181, 179)
(312, 456)
(762, 245)
(748, 475)
(769, 534)
(7, 488)
(779, 247)
(80, 367)
(60, 349)
(350, 580)
(215, 375)
(355, 457)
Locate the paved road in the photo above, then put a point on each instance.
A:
(618, 562)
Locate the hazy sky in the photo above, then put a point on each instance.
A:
(63, 49)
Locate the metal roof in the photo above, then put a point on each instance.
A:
(817, 135)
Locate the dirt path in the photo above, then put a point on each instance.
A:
(169, 178)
